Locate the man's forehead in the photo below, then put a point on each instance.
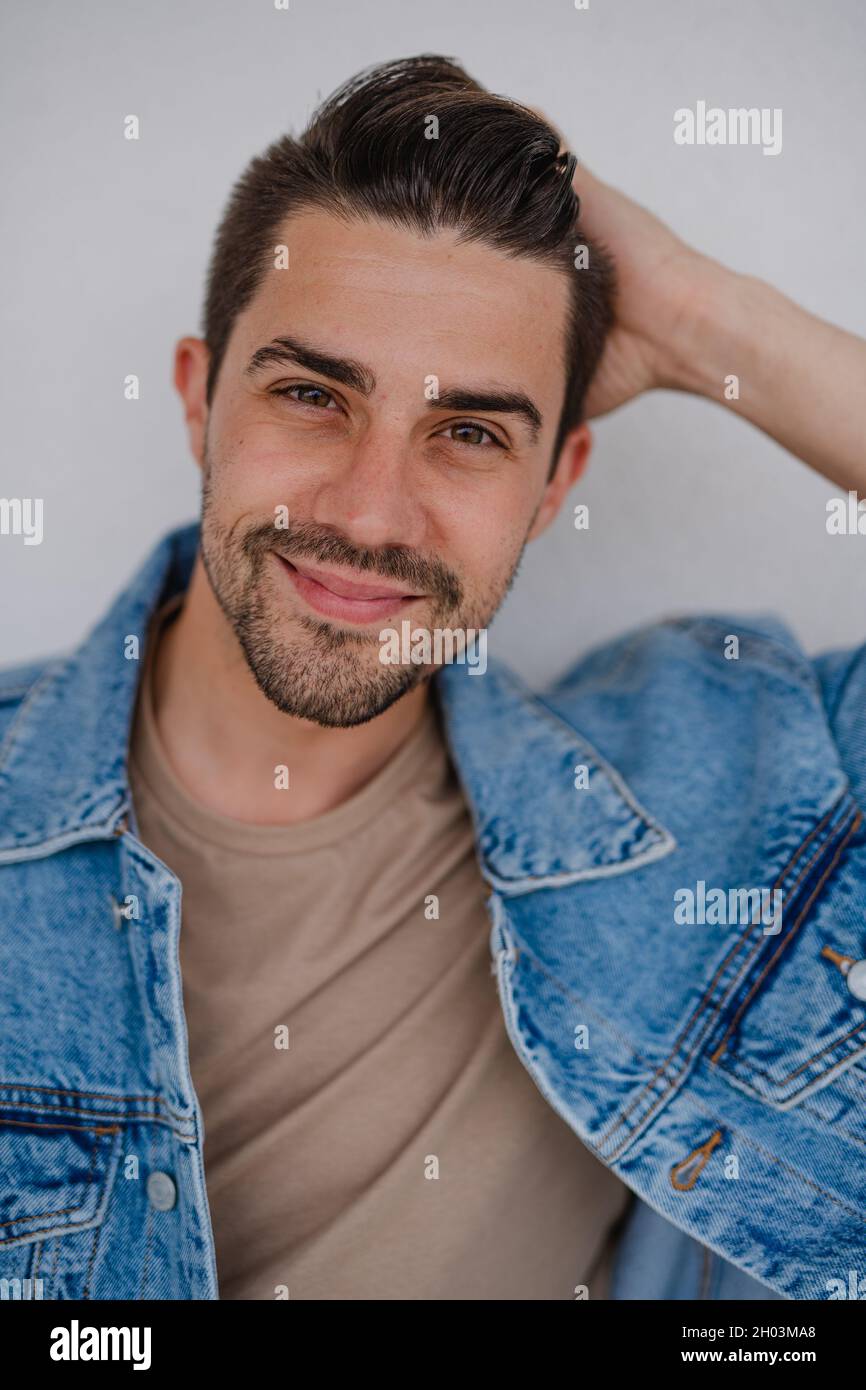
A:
(370, 287)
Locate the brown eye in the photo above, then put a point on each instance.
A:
(473, 435)
(311, 395)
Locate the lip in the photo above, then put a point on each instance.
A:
(352, 601)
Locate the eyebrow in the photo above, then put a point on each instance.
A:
(349, 372)
(494, 401)
(295, 353)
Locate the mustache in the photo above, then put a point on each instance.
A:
(306, 540)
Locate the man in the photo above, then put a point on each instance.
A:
(256, 856)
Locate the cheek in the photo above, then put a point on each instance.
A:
(484, 548)
(254, 473)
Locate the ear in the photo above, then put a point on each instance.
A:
(572, 461)
(191, 359)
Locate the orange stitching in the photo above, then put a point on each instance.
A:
(37, 1124)
(840, 849)
(707, 993)
(94, 1114)
(705, 1150)
(89, 1095)
(795, 1172)
(41, 1216)
(844, 1038)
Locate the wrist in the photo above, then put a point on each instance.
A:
(713, 329)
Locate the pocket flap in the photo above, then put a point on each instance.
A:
(796, 1021)
(55, 1176)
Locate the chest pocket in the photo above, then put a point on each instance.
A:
(56, 1173)
(796, 1018)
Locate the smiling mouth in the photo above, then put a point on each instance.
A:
(354, 601)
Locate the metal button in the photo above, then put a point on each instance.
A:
(161, 1191)
(856, 978)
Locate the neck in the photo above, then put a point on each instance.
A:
(225, 740)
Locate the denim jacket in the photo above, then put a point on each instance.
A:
(717, 1066)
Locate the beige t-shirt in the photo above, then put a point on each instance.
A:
(396, 1148)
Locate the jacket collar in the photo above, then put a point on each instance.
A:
(63, 775)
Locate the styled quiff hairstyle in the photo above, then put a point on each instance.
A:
(494, 174)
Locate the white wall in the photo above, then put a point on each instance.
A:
(105, 242)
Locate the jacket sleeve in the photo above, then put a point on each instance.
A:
(842, 678)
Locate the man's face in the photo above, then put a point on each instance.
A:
(385, 462)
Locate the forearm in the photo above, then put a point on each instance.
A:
(799, 379)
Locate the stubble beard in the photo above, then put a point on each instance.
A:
(329, 675)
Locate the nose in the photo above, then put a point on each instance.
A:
(370, 494)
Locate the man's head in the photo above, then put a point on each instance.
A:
(387, 402)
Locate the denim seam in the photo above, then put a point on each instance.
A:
(701, 1007)
(617, 780)
(11, 694)
(765, 1076)
(525, 953)
(805, 1108)
(37, 1124)
(97, 1233)
(130, 847)
(95, 1114)
(842, 692)
(148, 1229)
(12, 732)
(61, 1211)
(656, 848)
(661, 1072)
(87, 1095)
(767, 652)
(767, 1153)
(830, 868)
(111, 1115)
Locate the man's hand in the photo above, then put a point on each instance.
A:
(663, 288)
(687, 323)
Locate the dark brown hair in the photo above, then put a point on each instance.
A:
(494, 174)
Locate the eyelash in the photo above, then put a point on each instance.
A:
(458, 424)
